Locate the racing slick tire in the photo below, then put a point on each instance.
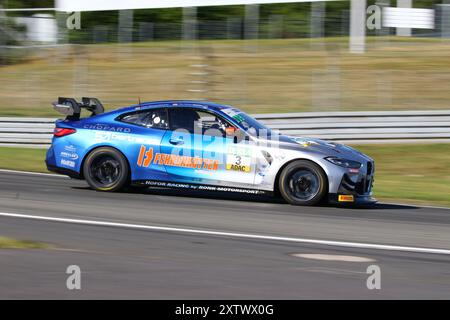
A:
(106, 169)
(303, 183)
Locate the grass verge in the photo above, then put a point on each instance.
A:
(410, 173)
(25, 159)
(413, 173)
(9, 243)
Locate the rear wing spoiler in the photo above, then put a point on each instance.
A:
(72, 109)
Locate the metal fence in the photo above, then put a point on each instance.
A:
(349, 127)
(301, 63)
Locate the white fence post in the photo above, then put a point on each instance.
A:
(251, 25)
(357, 26)
(404, 32)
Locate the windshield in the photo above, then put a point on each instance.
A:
(249, 124)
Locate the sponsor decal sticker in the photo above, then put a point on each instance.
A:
(239, 159)
(105, 127)
(231, 112)
(147, 157)
(346, 198)
(304, 142)
(239, 118)
(70, 148)
(201, 187)
(68, 163)
(69, 152)
(102, 136)
(72, 156)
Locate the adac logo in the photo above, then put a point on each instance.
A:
(237, 167)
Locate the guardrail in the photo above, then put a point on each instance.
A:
(27, 132)
(349, 127)
(364, 127)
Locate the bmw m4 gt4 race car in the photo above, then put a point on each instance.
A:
(202, 146)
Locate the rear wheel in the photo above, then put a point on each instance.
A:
(303, 183)
(106, 169)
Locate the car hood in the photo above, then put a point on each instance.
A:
(318, 146)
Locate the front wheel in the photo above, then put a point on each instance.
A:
(106, 169)
(303, 183)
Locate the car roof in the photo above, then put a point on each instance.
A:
(176, 103)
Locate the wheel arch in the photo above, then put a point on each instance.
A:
(104, 146)
(276, 187)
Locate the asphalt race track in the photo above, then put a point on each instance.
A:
(165, 244)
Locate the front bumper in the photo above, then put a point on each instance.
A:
(359, 200)
(356, 188)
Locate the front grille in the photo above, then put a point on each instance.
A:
(361, 187)
(358, 184)
(364, 185)
(369, 168)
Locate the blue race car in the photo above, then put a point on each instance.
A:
(202, 146)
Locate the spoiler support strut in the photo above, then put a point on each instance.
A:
(72, 109)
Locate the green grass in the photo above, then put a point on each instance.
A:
(414, 173)
(410, 173)
(9, 243)
(279, 75)
(25, 159)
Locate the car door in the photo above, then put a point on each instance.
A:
(200, 151)
(144, 141)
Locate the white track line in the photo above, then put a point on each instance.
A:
(233, 234)
(33, 173)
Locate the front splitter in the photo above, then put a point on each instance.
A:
(358, 200)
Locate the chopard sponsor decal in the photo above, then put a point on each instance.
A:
(105, 127)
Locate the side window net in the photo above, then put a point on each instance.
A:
(153, 118)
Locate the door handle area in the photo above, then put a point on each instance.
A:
(176, 141)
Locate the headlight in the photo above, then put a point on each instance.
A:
(344, 162)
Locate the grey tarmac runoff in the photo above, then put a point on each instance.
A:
(163, 244)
